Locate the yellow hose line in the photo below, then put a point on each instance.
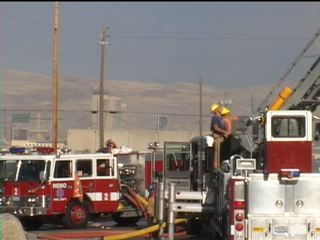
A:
(142, 231)
(142, 200)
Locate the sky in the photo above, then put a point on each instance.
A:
(228, 44)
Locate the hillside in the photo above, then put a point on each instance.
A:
(32, 93)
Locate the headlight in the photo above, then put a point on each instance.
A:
(32, 200)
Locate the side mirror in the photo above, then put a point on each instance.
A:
(316, 138)
(43, 176)
(225, 166)
(249, 122)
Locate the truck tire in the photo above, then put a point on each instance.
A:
(77, 215)
(124, 221)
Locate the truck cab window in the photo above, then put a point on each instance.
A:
(288, 126)
(84, 168)
(104, 167)
(63, 169)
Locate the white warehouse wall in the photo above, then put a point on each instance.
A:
(80, 140)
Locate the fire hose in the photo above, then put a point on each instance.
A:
(138, 201)
(114, 235)
(141, 204)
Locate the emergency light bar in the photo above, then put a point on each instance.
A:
(17, 150)
(45, 150)
(5, 150)
(289, 174)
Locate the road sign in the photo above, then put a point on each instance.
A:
(25, 117)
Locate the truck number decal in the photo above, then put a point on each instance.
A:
(16, 191)
(106, 196)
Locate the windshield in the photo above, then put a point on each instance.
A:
(8, 169)
(26, 170)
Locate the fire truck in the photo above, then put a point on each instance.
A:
(266, 186)
(72, 188)
(139, 171)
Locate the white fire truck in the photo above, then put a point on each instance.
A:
(266, 186)
(71, 188)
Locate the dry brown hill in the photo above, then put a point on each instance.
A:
(24, 92)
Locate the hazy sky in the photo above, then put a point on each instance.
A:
(230, 44)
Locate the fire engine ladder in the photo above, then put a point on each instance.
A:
(306, 94)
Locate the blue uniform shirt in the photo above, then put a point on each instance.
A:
(216, 120)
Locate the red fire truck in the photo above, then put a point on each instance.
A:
(139, 170)
(72, 188)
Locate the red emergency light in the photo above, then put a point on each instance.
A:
(239, 226)
(239, 203)
(45, 150)
(239, 217)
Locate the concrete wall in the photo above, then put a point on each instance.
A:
(80, 140)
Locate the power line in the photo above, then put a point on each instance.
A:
(208, 33)
(214, 38)
(76, 24)
(145, 59)
(135, 68)
(25, 20)
(83, 110)
(77, 41)
(170, 38)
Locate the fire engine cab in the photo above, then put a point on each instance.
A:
(72, 188)
(275, 200)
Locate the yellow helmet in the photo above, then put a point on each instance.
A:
(224, 111)
(215, 107)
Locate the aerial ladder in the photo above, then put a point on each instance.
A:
(257, 196)
(306, 94)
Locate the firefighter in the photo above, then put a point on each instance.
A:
(232, 144)
(110, 145)
(228, 117)
(224, 113)
(219, 132)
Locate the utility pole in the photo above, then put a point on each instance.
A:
(252, 107)
(103, 43)
(4, 124)
(55, 76)
(200, 107)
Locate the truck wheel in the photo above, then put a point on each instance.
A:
(77, 215)
(31, 223)
(194, 226)
(124, 221)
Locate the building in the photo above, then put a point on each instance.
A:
(111, 105)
